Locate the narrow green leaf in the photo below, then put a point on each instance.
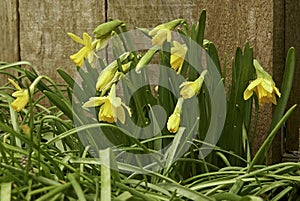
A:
(213, 54)
(200, 28)
(236, 188)
(14, 64)
(60, 103)
(135, 192)
(286, 86)
(123, 197)
(67, 78)
(251, 198)
(76, 187)
(50, 194)
(227, 196)
(171, 152)
(5, 194)
(105, 174)
(263, 150)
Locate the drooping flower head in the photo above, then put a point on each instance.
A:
(108, 73)
(22, 95)
(163, 32)
(178, 52)
(174, 120)
(104, 31)
(111, 107)
(192, 88)
(264, 86)
(86, 52)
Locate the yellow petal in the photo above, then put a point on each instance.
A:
(104, 78)
(177, 56)
(254, 83)
(102, 43)
(95, 101)
(107, 112)
(277, 91)
(160, 37)
(190, 89)
(267, 85)
(187, 90)
(247, 94)
(120, 112)
(173, 123)
(76, 38)
(20, 102)
(78, 58)
(15, 84)
(87, 39)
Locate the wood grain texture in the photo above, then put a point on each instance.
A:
(9, 31)
(292, 38)
(9, 41)
(229, 25)
(278, 63)
(44, 26)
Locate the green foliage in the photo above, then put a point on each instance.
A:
(50, 151)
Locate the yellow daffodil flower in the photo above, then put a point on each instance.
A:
(263, 86)
(87, 52)
(174, 120)
(164, 32)
(107, 74)
(115, 79)
(111, 107)
(178, 52)
(190, 89)
(22, 95)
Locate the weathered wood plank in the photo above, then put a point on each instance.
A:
(292, 38)
(278, 64)
(44, 26)
(9, 40)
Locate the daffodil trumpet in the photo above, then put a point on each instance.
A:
(178, 52)
(86, 52)
(108, 73)
(192, 88)
(111, 107)
(22, 95)
(263, 86)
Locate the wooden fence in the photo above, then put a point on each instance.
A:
(36, 31)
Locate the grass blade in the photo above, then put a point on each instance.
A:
(5, 194)
(263, 150)
(105, 174)
(76, 187)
